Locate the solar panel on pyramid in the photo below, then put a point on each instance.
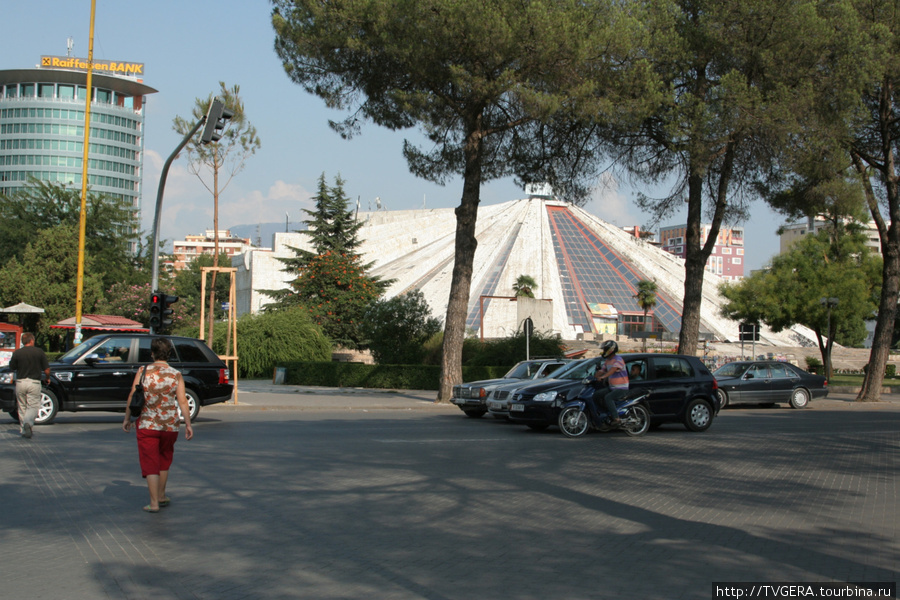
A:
(592, 272)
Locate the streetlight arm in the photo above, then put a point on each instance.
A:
(159, 198)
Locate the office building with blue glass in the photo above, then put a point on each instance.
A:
(42, 117)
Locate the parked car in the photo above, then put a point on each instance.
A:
(768, 382)
(500, 397)
(97, 374)
(683, 391)
(471, 397)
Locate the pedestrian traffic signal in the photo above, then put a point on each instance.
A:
(216, 118)
(166, 311)
(156, 309)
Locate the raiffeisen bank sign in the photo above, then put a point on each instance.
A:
(81, 64)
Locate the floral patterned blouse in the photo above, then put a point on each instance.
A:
(161, 404)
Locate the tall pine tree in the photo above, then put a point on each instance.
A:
(331, 280)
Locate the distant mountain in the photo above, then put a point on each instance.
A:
(261, 233)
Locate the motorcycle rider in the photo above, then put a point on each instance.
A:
(616, 374)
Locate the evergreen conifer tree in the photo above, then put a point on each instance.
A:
(331, 280)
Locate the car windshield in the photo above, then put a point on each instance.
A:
(523, 370)
(577, 370)
(731, 370)
(78, 351)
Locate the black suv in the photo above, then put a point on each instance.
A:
(684, 391)
(97, 374)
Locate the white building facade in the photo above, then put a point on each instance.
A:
(587, 271)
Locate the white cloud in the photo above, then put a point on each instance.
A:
(607, 203)
(281, 199)
(188, 206)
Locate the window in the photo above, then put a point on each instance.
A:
(781, 372)
(12, 91)
(144, 355)
(735, 261)
(726, 250)
(637, 370)
(67, 92)
(757, 372)
(188, 351)
(549, 368)
(45, 90)
(115, 349)
(666, 367)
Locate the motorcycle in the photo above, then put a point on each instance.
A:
(575, 419)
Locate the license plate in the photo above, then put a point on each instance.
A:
(496, 405)
(517, 408)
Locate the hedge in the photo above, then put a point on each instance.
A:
(406, 377)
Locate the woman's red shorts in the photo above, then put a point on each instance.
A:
(155, 450)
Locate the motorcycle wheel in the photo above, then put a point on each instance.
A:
(637, 421)
(573, 422)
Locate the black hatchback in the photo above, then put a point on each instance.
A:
(683, 391)
(97, 374)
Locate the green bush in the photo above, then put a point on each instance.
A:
(503, 351)
(890, 370)
(271, 338)
(397, 329)
(510, 350)
(341, 374)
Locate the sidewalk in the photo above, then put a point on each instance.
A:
(256, 394)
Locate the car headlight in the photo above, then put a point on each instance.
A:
(545, 397)
(6, 377)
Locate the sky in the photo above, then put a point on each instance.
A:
(189, 47)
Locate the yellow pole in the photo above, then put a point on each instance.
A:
(82, 222)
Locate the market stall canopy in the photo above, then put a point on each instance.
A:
(22, 309)
(102, 323)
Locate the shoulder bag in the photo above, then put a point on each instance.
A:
(137, 398)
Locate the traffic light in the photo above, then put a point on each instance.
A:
(166, 313)
(216, 118)
(161, 311)
(156, 308)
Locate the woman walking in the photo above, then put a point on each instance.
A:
(157, 426)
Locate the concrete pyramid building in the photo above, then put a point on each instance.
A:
(587, 272)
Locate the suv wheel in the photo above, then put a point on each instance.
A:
(48, 408)
(193, 404)
(698, 415)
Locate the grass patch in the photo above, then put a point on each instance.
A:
(857, 380)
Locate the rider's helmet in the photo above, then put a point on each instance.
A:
(608, 348)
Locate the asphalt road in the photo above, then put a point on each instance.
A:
(370, 495)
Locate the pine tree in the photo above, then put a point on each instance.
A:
(331, 280)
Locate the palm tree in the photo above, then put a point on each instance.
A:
(646, 299)
(524, 286)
